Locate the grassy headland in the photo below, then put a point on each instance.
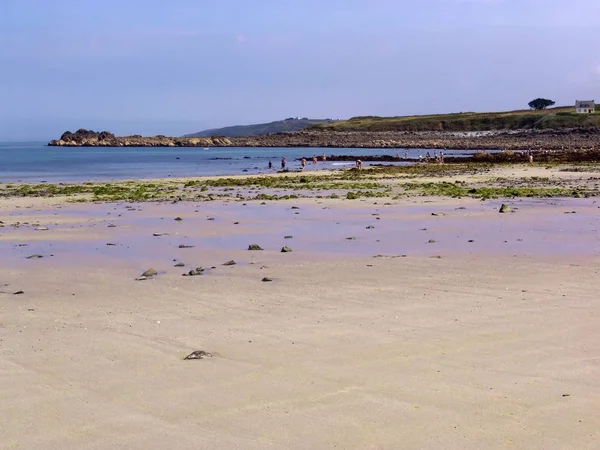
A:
(551, 129)
(554, 118)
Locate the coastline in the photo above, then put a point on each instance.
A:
(524, 140)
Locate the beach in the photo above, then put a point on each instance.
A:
(399, 319)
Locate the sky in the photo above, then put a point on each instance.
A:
(175, 67)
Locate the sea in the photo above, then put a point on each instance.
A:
(35, 162)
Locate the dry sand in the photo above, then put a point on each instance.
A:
(493, 345)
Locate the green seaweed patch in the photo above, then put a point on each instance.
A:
(445, 189)
(122, 191)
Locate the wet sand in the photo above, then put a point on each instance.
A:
(386, 341)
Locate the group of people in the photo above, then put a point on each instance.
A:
(315, 160)
(437, 158)
(303, 161)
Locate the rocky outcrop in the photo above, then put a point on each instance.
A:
(89, 138)
(580, 139)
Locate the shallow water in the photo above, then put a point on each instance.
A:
(540, 229)
(35, 162)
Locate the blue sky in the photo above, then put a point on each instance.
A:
(175, 67)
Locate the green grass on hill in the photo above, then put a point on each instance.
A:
(562, 117)
(261, 129)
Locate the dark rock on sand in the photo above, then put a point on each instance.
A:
(150, 273)
(179, 265)
(35, 257)
(286, 250)
(266, 279)
(230, 263)
(198, 354)
(18, 293)
(288, 237)
(504, 208)
(195, 272)
(431, 241)
(178, 219)
(254, 247)
(186, 246)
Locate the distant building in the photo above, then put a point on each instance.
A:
(585, 106)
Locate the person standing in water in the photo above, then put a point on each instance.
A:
(324, 157)
(314, 159)
(283, 163)
(270, 165)
(303, 163)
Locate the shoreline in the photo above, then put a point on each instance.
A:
(391, 182)
(525, 140)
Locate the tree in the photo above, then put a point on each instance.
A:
(540, 103)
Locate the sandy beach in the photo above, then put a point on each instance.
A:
(414, 322)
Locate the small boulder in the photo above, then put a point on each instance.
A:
(266, 280)
(254, 247)
(150, 273)
(504, 208)
(288, 237)
(230, 263)
(179, 265)
(178, 219)
(35, 257)
(186, 246)
(195, 272)
(286, 250)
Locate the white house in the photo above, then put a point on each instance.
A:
(585, 106)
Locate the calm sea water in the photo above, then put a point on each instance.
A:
(36, 162)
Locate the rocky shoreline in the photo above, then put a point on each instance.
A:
(574, 139)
